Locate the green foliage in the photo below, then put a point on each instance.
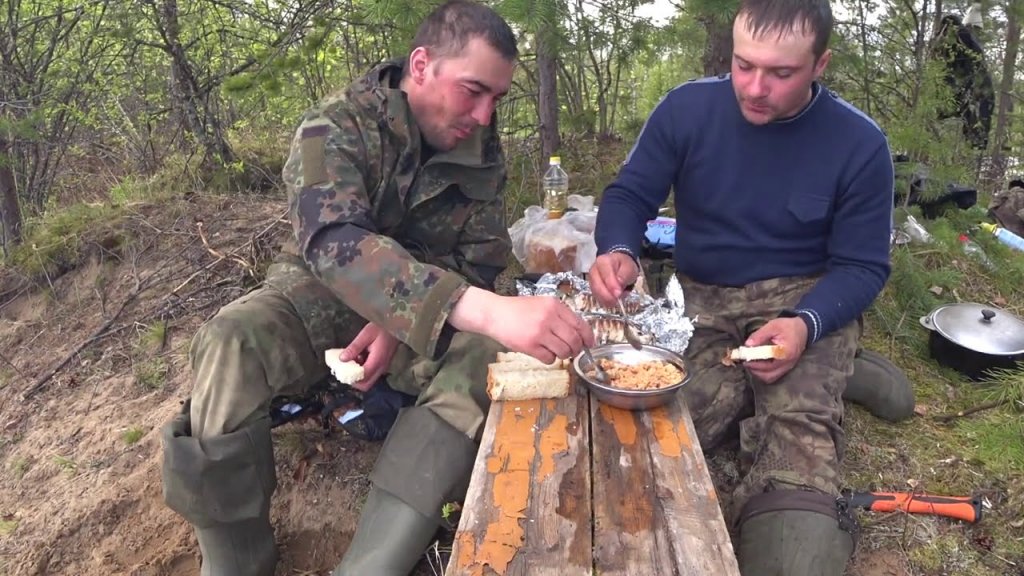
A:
(7, 527)
(19, 467)
(67, 465)
(132, 435)
(151, 373)
(53, 242)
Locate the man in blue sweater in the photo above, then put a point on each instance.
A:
(783, 197)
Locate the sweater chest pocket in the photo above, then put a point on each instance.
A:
(810, 208)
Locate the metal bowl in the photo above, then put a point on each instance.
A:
(624, 398)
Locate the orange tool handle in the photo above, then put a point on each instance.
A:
(963, 508)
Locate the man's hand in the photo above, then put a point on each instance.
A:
(609, 276)
(791, 334)
(540, 326)
(373, 348)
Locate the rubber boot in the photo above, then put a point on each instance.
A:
(793, 543)
(423, 464)
(390, 538)
(880, 387)
(222, 486)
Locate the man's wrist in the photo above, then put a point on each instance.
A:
(471, 312)
(623, 249)
(810, 319)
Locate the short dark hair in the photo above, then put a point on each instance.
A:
(782, 16)
(447, 30)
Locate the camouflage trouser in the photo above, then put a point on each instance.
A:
(257, 347)
(790, 432)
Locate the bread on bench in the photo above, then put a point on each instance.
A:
(517, 376)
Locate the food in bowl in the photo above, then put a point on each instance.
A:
(647, 375)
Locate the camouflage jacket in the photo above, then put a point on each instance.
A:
(396, 239)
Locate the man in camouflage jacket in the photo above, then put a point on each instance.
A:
(395, 197)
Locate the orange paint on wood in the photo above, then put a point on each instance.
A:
(665, 433)
(467, 552)
(622, 422)
(509, 462)
(554, 440)
(684, 436)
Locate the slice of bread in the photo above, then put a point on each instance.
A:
(346, 372)
(525, 360)
(747, 353)
(526, 384)
(518, 376)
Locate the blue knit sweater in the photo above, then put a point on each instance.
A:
(809, 195)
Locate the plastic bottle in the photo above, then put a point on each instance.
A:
(975, 251)
(556, 189)
(1004, 236)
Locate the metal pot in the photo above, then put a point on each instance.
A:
(972, 338)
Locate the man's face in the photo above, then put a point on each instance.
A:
(452, 96)
(772, 74)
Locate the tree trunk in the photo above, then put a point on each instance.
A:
(997, 167)
(192, 102)
(547, 101)
(10, 209)
(717, 57)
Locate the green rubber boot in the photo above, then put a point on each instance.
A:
(222, 486)
(793, 543)
(880, 387)
(390, 539)
(423, 464)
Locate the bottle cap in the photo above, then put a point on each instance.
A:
(989, 227)
(556, 160)
(964, 238)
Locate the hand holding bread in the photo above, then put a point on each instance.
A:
(773, 349)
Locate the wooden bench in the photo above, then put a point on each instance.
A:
(572, 486)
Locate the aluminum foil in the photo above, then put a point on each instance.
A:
(661, 321)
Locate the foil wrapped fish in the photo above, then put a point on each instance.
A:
(612, 330)
(586, 303)
(659, 321)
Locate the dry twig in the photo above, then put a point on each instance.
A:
(968, 411)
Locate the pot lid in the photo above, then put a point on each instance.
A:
(984, 329)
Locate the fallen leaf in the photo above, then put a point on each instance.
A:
(1017, 523)
(937, 290)
(999, 301)
(912, 483)
(921, 410)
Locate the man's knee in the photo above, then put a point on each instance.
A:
(795, 532)
(250, 351)
(457, 389)
(718, 398)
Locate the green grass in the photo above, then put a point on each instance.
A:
(67, 465)
(151, 374)
(19, 467)
(132, 435)
(7, 527)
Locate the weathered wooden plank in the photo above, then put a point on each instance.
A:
(655, 509)
(528, 507)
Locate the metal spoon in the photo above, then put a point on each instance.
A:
(631, 336)
(599, 374)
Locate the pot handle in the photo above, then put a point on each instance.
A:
(987, 315)
(926, 321)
